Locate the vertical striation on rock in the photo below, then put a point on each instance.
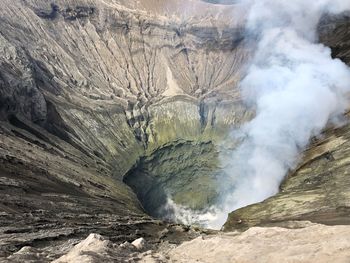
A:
(89, 87)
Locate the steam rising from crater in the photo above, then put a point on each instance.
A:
(295, 88)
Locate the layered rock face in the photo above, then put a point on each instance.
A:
(89, 89)
(98, 93)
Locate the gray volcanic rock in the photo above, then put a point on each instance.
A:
(334, 32)
(91, 89)
(312, 243)
(107, 71)
(87, 88)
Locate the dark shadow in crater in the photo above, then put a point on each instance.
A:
(187, 172)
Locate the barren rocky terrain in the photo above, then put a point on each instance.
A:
(307, 242)
(107, 106)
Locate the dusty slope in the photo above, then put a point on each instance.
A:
(88, 87)
(313, 243)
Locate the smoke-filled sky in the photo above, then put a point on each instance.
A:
(296, 89)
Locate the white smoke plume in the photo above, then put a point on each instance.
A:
(182, 214)
(295, 88)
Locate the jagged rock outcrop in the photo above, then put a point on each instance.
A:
(89, 87)
(319, 244)
(92, 89)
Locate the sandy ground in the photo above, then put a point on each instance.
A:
(314, 243)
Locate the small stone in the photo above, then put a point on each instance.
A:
(163, 233)
(126, 245)
(139, 243)
(25, 250)
(180, 228)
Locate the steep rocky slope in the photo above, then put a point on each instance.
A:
(97, 92)
(90, 87)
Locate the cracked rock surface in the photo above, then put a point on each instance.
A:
(90, 89)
